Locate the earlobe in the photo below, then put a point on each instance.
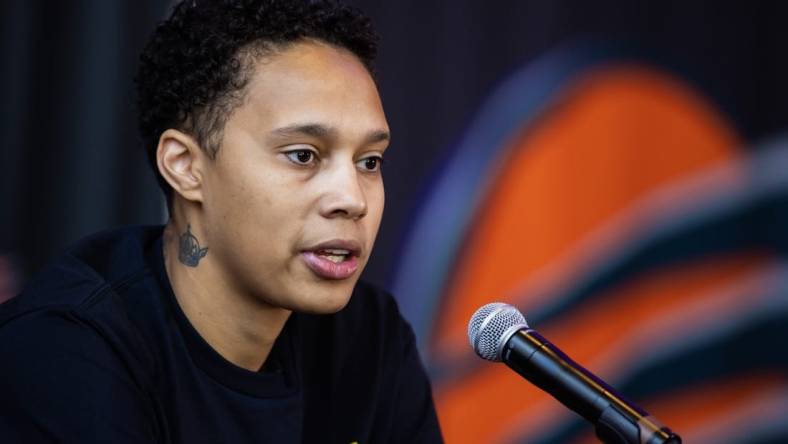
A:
(179, 160)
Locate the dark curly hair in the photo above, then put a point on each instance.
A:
(194, 69)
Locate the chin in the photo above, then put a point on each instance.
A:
(326, 299)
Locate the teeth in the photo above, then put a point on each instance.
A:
(335, 255)
(336, 251)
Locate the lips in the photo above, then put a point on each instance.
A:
(335, 259)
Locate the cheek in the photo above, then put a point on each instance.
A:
(242, 192)
(376, 198)
(246, 209)
(262, 213)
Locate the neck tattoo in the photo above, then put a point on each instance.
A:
(189, 251)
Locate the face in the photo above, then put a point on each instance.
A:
(293, 200)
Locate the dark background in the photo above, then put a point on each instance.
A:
(71, 162)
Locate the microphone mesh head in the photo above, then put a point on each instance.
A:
(491, 326)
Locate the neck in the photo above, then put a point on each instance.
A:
(240, 327)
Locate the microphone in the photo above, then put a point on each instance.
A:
(499, 332)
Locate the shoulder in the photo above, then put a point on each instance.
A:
(97, 267)
(83, 303)
(68, 340)
(106, 261)
(38, 342)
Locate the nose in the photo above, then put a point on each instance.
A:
(343, 193)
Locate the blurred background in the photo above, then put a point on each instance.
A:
(618, 170)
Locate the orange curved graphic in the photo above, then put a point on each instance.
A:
(615, 136)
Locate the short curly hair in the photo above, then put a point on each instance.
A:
(195, 67)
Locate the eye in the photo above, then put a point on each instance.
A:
(370, 164)
(301, 157)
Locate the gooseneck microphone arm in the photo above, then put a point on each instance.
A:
(499, 332)
(616, 420)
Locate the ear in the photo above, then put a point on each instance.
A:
(180, 161)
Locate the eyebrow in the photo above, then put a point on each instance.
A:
(378, 136)
(325, 132)
(305, 129)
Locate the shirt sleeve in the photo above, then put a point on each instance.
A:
(61, 381)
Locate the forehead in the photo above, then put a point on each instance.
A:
(312, 81)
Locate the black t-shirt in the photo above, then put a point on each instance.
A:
(97, 350)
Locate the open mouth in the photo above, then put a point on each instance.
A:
(334, 255)
(333, 260)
